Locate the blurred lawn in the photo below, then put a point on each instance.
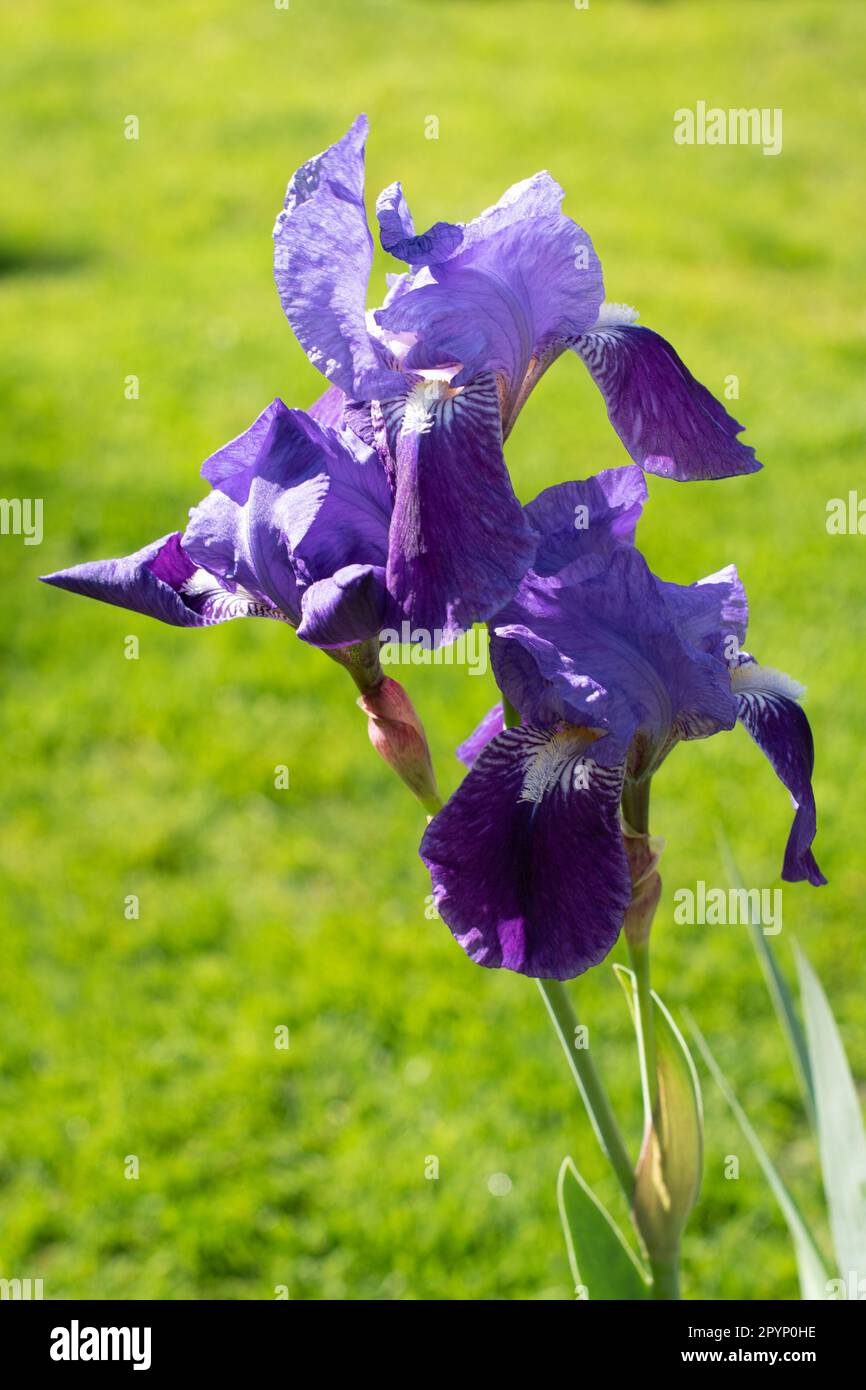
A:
(305, 908)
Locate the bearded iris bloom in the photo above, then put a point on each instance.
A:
(389, 505)
(295, 529)
(435, 379)
(609, 668)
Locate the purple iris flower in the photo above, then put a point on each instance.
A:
(437, 376)
(296, 528)
(608, 667)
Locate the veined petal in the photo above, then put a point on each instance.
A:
(459, 542)
(580, 519)
(768, 707)
(162, 582)
(492, 724)
(397, 231)
(294, 502)
(526, 858)
(350, 606)
(606, 651)
(543, 682)
(322, 257)
(669, 423)
(522, 282)
(712, 614)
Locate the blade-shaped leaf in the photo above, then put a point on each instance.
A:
(841, 1138)
(777, 987)
(602, 1263)
(810, 1265)
(668, 1176)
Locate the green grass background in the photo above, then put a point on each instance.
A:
(305, 908)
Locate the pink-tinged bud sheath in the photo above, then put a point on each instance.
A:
(398, 736)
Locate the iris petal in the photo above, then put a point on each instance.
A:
(459, 542)
(397, 231)
(161, 581)
(526, 858)
(669, 423)
(712, 614)
(768, 708)
(602, 649)
(352, 605)
(590, 518)
(322, 257)
(294, 502)
(523, 280)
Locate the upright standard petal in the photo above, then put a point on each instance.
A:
(397, 231)
(574, 521)
(162, 582)
(712, 614)
(669, 423)
(522, 282)
(607, 652)
(294, 503)
(768, 707)
(322, 257)
(459, 542)
(526, 858)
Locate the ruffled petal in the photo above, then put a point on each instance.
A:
(574, 521)
(669, 423)
(459, 542)
(294, 502)
(322, 257)
(161, 581)
(605, 652)
(522, 282)
(397, 231)
(768, 707)
(712, 614)
(526, 858)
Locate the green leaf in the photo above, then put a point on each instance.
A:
(810, 1265)
(588, 1082)
(602, 1263)
(777, 986)
(668, 1176)
(841, 1139)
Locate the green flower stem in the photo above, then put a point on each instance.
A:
(635, 805)
(666, 1278)
(589, 1083)
(635, 810)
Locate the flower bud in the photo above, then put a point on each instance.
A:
(398, 736)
